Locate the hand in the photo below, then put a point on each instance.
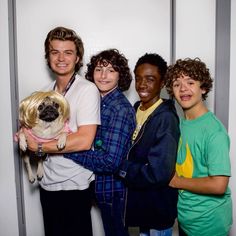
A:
(174, 180)
(32, 145)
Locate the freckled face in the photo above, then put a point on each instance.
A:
(148, 84)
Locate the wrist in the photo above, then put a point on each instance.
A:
(39, 152)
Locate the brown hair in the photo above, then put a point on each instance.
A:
(194, 68)
(63, 34)
(118, 62)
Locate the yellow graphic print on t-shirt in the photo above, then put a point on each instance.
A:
(186, 168)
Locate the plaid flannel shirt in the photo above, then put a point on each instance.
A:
(111, 145)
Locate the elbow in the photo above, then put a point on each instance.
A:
(85, 146)
(220, 185)
(110, 166)
(221, 190)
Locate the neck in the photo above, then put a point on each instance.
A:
(145, 105)
(195, 112)
(62, 82)
(103, 94)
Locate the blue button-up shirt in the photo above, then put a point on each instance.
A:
(111, 145)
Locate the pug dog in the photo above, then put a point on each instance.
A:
(44, 116)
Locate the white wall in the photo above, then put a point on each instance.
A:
(8, 208)
(195, 34)
(134, 27)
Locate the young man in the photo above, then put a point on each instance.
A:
(64, 193)
(203, 163)
(151, 203)
(110, 72)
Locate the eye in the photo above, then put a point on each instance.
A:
(55, 104)
(150, 79)
(53, 52)
(41, 106)
(190, 82)
(175, 85)
(97, 69)
(69, 53)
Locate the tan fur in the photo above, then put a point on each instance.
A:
(29, 118)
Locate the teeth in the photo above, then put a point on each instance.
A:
(61, 65)
(103, 82)
(185, 97)
(143, 94)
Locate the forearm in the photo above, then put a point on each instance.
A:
(203, 185)
(78, 141)
(99, 161)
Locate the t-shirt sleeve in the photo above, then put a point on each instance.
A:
(89, 113)
(218, 154)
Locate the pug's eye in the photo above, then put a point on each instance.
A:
(40, 108)
(56, 105)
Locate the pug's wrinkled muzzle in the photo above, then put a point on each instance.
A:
(48, 114)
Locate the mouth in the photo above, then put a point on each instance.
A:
(61, 66)
(143, 94)
(48, 115)
(103, 82)
(185, 97)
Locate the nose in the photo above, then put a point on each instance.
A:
(142, 83)
(103, 74)
(183, 87)
(61, 56)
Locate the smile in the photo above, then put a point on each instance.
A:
(185, 97)
(143, 94)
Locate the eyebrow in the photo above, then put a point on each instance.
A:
(67, 50)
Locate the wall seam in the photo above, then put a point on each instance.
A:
(222, 60)
(14, 109)
(172, 31)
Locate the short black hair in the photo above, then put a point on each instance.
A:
(155, 60)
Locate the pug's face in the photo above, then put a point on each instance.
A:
(41, 107)
(48, 110)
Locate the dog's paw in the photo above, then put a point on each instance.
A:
(23, 145)
(31, 179)
(39, 174)
(61, 143)
(39, 178)
(40, 171)
(22, 141)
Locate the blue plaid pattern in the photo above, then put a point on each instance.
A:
(111, 145)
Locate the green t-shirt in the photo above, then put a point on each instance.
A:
(204, 151)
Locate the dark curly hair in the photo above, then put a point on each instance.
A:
(194, 68)
(155, 60)
(64, 34)
(118, 62)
